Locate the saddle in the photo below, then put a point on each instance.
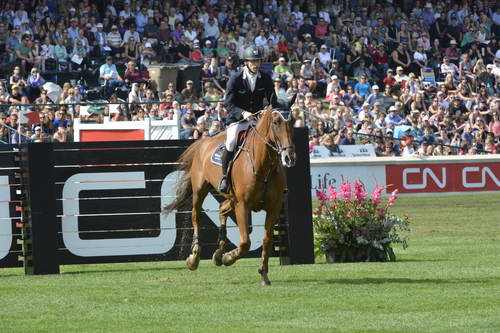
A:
(217, 153)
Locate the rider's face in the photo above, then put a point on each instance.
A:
(253, 66)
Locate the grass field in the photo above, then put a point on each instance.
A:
(448, 280)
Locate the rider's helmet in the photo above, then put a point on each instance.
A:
(252, 53)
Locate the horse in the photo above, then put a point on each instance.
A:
(257, 183)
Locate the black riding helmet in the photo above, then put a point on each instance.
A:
(252, 53)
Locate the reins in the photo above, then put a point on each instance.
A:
(279, 148)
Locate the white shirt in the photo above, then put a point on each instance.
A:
(212, 30)
(260, 41)
(252, 79)
(190, 35)
(422, 57)
(450, 68)
(325, 16)
(324, 58)
(496, 71)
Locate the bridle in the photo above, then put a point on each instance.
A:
(277, 147)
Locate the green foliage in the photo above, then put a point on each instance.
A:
(352, 220)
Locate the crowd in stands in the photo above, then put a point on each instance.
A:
(409, 77)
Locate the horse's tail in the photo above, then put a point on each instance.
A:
(183, 188)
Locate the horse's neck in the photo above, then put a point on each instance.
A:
(264, 156)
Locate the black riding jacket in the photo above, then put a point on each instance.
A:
(239, 96)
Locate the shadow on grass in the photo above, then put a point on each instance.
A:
(125, 270)
(11, 275)
(422, 260)
(370, 281)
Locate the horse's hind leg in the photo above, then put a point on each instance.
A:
(198, 196)
(242, 214)
(225, 208)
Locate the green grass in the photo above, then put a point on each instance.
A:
(448, 280)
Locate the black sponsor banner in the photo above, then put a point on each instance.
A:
(109, 205)
(102, 203)
(10, 232)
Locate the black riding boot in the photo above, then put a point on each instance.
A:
(227, 156)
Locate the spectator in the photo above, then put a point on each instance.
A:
(35, 81)
(23, 53)
(362, 87)
(188, 124)
(131, 33)
(282, 70)
(131, 50)
(109, 74)
(349, 138)
(307, 74)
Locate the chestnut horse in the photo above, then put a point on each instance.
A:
(257, 183)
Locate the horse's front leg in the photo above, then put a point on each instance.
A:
(267, 242)
(242, 214)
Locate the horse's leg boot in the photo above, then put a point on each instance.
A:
(227, 156)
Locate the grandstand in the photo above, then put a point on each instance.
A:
(410, 78)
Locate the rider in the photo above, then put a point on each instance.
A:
(245, 94)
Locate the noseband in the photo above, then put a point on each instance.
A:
(277, 147)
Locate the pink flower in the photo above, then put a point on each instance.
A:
(321, 195)
(359, 191)
(392, 198)
(333, 193)
(376, 195)
(311, 148)
(345, 190)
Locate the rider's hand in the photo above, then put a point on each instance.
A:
(247, 115)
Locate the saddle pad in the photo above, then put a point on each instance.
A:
(217, 155)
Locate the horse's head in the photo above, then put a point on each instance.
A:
(280, 135)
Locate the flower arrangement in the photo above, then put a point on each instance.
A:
(351, 225)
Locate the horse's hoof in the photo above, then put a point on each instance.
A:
(192, 262)
(227, 259)
(217, 257)
(265, 283)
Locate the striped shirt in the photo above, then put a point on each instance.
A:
(115, 39)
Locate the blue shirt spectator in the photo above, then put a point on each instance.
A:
(362, 87)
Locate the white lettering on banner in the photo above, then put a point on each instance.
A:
(343, 151)
(112, 247)
(5, 225)
(136, 246)
(482, 183)
(425, 173)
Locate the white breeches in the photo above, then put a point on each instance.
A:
(233, 131)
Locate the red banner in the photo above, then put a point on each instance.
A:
(432, 178)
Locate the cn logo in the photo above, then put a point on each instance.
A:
(485, 173)
(424, 173)
(160, 244)
(5, 224)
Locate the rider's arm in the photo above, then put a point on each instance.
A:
(231, 90)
